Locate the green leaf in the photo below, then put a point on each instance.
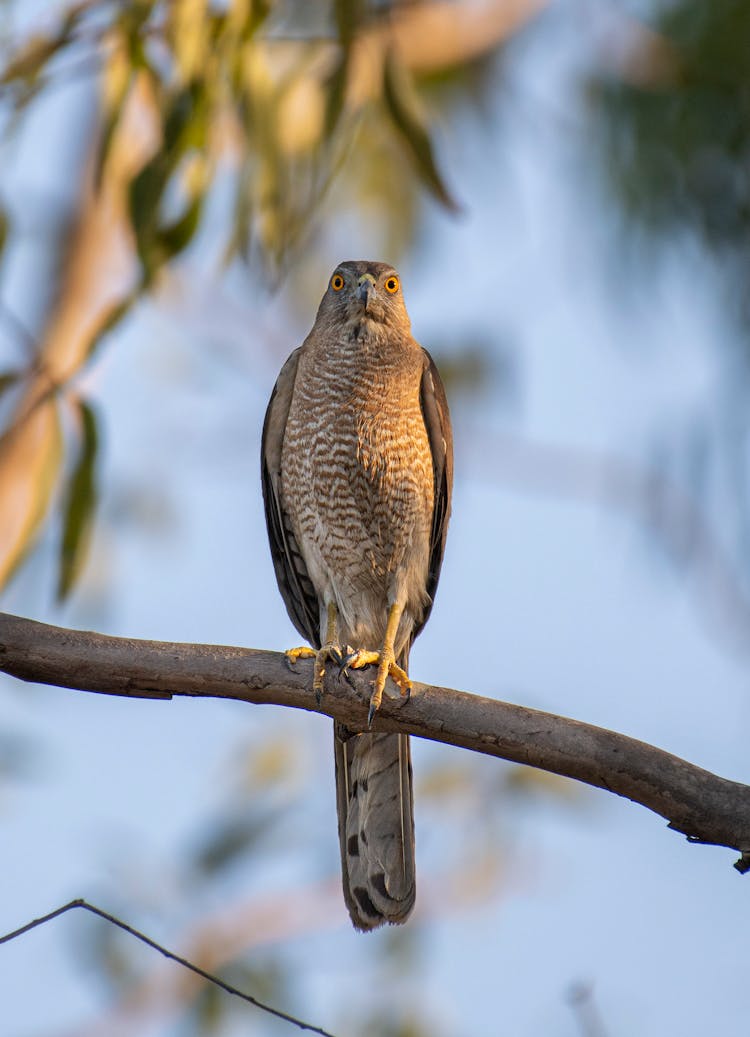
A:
(145, 193)
(109, 320)
(240, 238)
(4, 229)
(348, 15)
(80, 504)
(336, 94)
(9, 379)
(402, 103)
(175, 237)
(185, 129)
(259, 11)
(234, 836)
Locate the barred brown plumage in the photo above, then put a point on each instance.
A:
(357, 467)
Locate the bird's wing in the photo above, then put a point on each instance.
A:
(438, 424)
(291, 573)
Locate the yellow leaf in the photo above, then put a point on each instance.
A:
(301, 114)
(267, 764)
(30, 456)
(190, 27)
(116, 74)
(530, 780)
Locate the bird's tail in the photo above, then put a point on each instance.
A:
(376, 826)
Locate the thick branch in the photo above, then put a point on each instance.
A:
(701, 805)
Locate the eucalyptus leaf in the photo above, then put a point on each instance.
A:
(30, 457)
(336, 94)
(80, 504)
(4, 229)
(233, 837)
(401, 101)
(348, 16)
(110, 319)
(8, 379)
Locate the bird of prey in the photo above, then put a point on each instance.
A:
(357, 470)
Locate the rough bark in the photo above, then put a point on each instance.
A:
(704, 807)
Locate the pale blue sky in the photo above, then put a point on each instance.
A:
(568, 602)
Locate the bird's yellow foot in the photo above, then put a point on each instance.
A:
(330, 650)
(387, 667)
(303, 652)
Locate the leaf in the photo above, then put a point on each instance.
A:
(118, 77)
(240, 238)
(234, 836)
(109, 319)
(259, 11)
(185, 128)
(26, 66)
(8, 379)
(209, 1008)
(29, 61)
(30, 455)
(175, 237)
(336, 95)
(348, 15)
(80, 505)
(4, 229)
(402, 103)
(188, 23)
(529, 781)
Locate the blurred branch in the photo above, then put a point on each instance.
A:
(167, 954)
(701, 805)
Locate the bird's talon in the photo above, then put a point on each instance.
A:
(293, 654)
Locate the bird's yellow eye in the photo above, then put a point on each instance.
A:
(337, 282)
(391, 284)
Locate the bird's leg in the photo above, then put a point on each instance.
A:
(329, 650)
(386, 660)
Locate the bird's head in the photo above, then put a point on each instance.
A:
(360, 291)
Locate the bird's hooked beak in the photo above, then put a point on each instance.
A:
(366, 290)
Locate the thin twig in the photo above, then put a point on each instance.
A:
(167, 954)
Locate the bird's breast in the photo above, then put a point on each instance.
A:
(357, 472)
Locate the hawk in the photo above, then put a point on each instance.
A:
(357, 471)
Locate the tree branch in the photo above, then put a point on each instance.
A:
(701, 805)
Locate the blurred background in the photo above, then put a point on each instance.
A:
(565, 189)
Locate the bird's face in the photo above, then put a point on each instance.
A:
(361, 291)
